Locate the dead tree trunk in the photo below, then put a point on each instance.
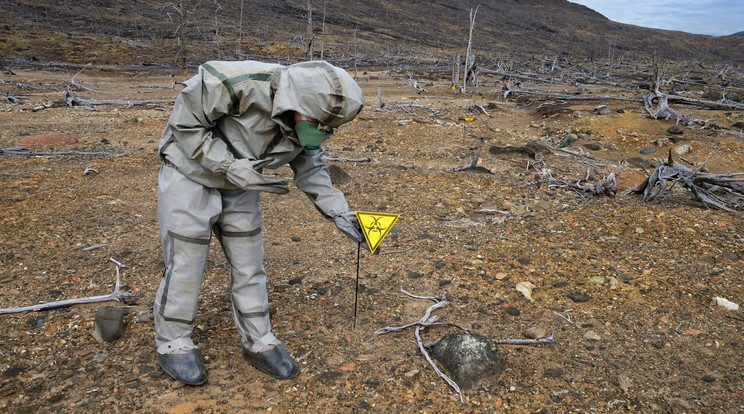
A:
(309, 33)
(182, 38)
(456, 72)
(469, 58)
(322, 30)
(240, 30)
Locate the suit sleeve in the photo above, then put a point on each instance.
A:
(197, 109)
(311, 176)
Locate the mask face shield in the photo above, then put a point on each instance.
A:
(310, 132)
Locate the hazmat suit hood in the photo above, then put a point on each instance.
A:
(316, 89)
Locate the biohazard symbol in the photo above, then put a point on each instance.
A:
(375, 226)
(468, 120)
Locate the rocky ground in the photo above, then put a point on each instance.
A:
(626, 287)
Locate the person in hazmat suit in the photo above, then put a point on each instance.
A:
(230, 123)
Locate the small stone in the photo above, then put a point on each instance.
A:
(553, 373)
(143, 317)
(338, 175)
(568, 140)
(100, 357)
(603, 110)
(541, 205)
(524, 261)
(414, 275)
(594, 146)
(648, 151)
(349, 367)
(731, 256)
(535, 332)
(625, 276)
(511, 310)
(525, 288)
(295, 239)
(600, 280)
(579, 297)
(738, 125)
(675, 129)
(683, 149)
(709, 378)
(592, 336)
(13, 371)
(708, 260)
(108, 324)
(657, 343)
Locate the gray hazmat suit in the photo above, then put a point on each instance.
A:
(229, 123)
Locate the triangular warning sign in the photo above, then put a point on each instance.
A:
(375, 226)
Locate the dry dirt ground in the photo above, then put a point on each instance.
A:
(645, 336)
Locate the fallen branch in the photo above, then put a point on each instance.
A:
(73, 100)
(347, 159)
(25, 151)
(567, 97)
(124, 297)
(538, 341)
(722, 191)
(79, 86)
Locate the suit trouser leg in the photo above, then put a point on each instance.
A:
(186, 213)
(239, 232)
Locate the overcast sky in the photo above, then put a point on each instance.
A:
(712, 17)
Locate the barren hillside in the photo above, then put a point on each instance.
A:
(378, 32)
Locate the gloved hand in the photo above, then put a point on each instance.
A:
(243, 174)
(349, 225)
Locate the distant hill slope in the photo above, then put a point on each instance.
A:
(740, 34)
(380, 31)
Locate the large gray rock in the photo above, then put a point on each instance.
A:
(108, 324)
(470, 359)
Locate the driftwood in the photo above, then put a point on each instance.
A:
(606, 186)
(124, 297)
(722, 191)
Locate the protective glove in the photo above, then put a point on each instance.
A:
(349, 225)
(243, 174)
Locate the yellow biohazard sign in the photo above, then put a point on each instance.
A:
(375, 227)
(468, 120)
